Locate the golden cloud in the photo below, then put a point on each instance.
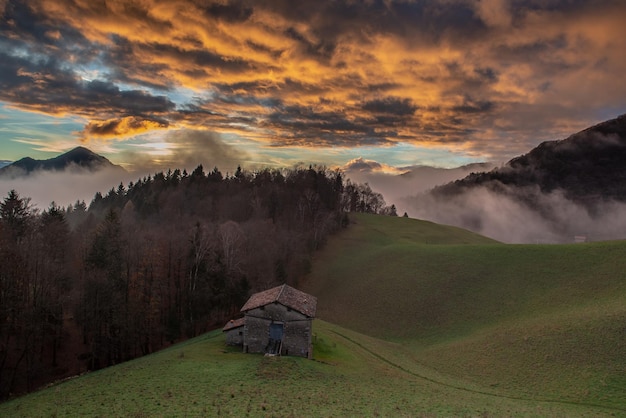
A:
(304, 76)
(120, 128)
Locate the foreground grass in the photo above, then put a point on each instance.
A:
(353, 375)
(538, 321)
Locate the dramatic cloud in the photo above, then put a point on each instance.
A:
(494, 12)
(120, 128)
(360, 165)
(187, 149)
(43, 86)
(488, 78)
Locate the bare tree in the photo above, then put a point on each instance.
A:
(202, 245)
(232, 240)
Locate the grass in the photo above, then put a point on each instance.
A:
(540, 321)
(353, 375)
(416, 319)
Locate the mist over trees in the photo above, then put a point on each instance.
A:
(517, 211)
(560, 191)
(153, 262)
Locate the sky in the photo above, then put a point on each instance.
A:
(376, 85)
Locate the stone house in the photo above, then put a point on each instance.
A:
(277, 321)
(234, 331)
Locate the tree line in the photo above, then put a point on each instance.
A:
(154, 262)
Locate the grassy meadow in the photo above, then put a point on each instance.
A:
(533, 321)
(415, 319)
(352, 375)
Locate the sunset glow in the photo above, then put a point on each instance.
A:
(399, 83)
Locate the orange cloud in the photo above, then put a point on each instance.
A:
(120, 128)
(457, 74)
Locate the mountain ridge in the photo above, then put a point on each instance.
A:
(80, 158)
(587, 166)
(560, 191)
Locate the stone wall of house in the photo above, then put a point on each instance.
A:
(234, 336)
(297, 341)
(256, 334)
(296, 335)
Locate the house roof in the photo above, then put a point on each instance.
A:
(234, 323)
(286, 295)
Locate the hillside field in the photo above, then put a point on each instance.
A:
(415, 319)
(353, 375)
(539, 321)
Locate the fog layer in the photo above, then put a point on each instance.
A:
(64, 187)
(396, 187)
(522, 215)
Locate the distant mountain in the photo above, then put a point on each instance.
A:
(438, 176)
(413, 180)
(561, 191)
(4, 163)
(588, 166)
(80, 158)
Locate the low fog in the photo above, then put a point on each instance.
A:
(510, 215)
(186, 150)
(64, 187)
(522, 215)
(414, 179)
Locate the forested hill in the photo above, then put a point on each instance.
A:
(561, 191)
(153, 262)
(587, 166)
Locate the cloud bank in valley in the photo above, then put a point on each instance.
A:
(186, 150)
(64, 187)
(397, 184)
(558, 190)
(522, 215)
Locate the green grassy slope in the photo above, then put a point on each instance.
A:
(354, 375)
(431, 321)
(541, 321)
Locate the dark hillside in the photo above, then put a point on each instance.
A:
(587, 166)
(561, 191)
